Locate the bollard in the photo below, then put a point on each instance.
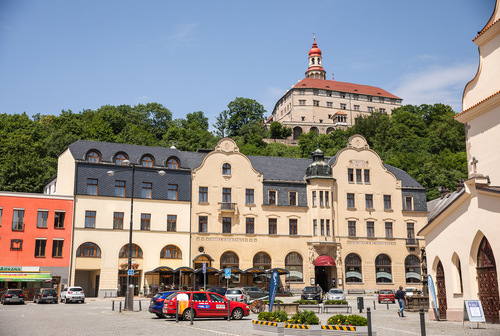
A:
(228, 310)
(374, 305)
(369, 318)
(113, 305)
(387, 303)
(140, 305)
(177, 312)
(120, 306)
(192, 313)
(422, 322)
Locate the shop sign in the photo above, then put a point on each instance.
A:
(11, 268)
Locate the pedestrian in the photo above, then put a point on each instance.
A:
(401, 297)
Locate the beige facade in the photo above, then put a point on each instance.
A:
(323, 105)
(320, 211)
(462, 233)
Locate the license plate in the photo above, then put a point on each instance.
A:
(49, 297)
(14, 296)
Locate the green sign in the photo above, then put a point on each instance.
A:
(25, 277)
(10, 268)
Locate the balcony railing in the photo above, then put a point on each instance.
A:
(411, 242)
(226, 206)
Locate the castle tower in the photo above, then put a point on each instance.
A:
(315, 69)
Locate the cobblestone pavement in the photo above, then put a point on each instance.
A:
(95, 317)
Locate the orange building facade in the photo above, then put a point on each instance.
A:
(35, 240)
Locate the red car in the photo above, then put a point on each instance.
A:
(386, 295)
(205, 304)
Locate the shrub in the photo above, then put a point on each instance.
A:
(352, 320)
(304, 317)
(275, 301)
(275, 316)
(305, 302)
(335, 302)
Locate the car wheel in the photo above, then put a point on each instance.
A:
(186, 316)
(160, 315)
(66, 300)
(38, 301)
(237, 314)
(83, 301)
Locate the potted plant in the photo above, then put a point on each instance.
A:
(349, 324)
(305, 322)
(270, 323)
(307, 304)
(336, 304)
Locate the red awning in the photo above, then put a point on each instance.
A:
(324, 260)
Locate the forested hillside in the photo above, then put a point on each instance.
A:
(423, 140)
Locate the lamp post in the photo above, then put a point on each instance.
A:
(129, 304)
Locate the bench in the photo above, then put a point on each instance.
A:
(355, 291)
(347, 307)
(311, 307)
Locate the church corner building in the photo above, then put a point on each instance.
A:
(349, 221)
(462, 232)
(321, 105)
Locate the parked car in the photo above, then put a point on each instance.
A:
(312, 293)
(45, 295)
(13, 296)
(157, 302)
(411, 291)
(385, 295)
(255, 292)
(237, 294)
(69, 294)
(218, 290)
(335, 294)
(205, 304)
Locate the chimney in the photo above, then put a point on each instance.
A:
(444, 191)
(460, 185)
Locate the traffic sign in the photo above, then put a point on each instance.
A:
(227, 273)
(130, 272)
(204, 267)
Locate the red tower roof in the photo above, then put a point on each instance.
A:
(315, 50)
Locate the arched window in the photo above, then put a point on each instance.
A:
(383, 268)
(119, 159)
(353, 268)
(88, 250)
(412, 269)
(458, 286)
(147, 161)
(293, 264)
(171, 252)
(136, 251)
(330, 130)
(226, 169)
(297, 131)
(93, 157)
(262, 260)
(314, 130)
(173, 163)
(229, 259)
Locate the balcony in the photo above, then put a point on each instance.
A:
(411, 242)
(227, 207)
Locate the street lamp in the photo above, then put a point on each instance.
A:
(129, 303)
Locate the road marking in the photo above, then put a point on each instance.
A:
(207, 330)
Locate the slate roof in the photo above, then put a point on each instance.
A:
(438, 205)
(272, 168)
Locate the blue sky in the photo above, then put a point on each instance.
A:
(200, 55)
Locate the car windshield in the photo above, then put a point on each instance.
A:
(76, 289)
(310, 289)
(233, 291)
(15, 291)
(336, 291)
(385, 292)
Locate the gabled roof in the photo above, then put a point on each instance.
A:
(343, 87)
(439, 205)
(280, 168)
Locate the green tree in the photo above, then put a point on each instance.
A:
(241, 111)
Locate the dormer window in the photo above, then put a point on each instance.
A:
(226, 169)
(147, 161)
(173, 163)
(93, 157)
(119, 159)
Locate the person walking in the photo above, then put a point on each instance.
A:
(401, 297)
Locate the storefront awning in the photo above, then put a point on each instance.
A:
(161, 269)
(25, 277)
(324, 260)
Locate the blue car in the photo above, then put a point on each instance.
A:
(156, 304)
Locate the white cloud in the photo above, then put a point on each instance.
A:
(437, 84)
(181, 36)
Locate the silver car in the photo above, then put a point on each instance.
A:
(69, 294)
(335, 294)
(237, 294)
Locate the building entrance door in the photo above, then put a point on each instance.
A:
(441, 291)
(488, 281)
(134, 280)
